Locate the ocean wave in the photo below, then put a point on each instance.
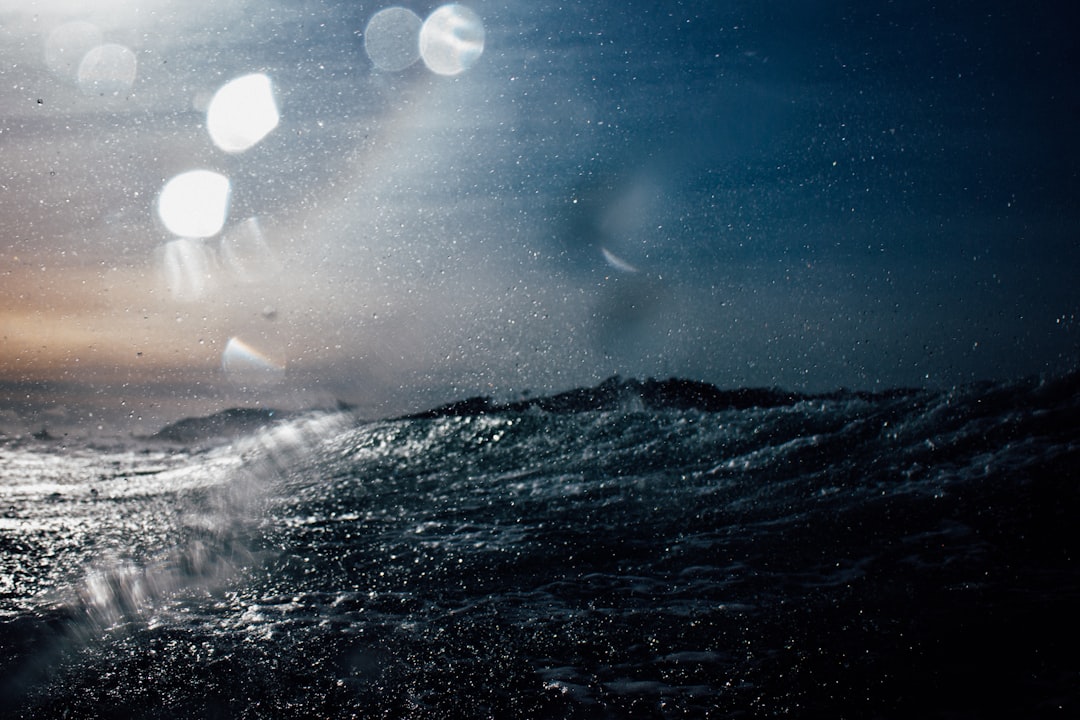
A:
(651, 549)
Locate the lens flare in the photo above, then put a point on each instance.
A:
(185, 266)
(617, 262)
(246, 253)
(247, 365)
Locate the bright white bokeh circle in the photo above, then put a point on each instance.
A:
(451, 39)
(195, 204)
(392, 38)
(242, 112)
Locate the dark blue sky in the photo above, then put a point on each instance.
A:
(802, 194)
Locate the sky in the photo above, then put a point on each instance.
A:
(507, 197)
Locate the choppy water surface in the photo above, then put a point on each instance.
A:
(849, 555)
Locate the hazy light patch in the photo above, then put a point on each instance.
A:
(195, 204)
(246, 253)
(451, 39)
(107, 69)
(68, 44)
(617, 262)
(392, 38)
(186, 265)
(247, 365)
(242, 112)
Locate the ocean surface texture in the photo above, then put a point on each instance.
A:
(639, 549)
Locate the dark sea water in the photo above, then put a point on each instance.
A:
(634, 550)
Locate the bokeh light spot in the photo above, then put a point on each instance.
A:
(242, 112)
(246, 365)
(195, 204)
(108, 69)
(451, 39)
(392, 38)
